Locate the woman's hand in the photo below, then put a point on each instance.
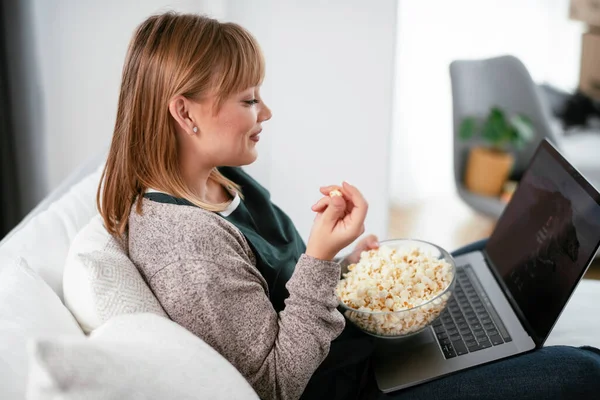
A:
(340, 221)
(365, 244)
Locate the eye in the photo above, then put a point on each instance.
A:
(251, 102)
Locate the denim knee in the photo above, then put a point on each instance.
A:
(590, 362)
(580, 370)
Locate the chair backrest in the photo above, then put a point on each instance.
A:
(479, 85)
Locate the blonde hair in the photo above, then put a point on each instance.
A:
(169, 55)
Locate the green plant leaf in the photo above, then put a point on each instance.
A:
(523, 127)
(467, 128)
(516, 139)
(495, 128)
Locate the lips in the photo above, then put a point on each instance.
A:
(256, 136)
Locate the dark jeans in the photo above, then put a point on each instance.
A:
(554, 372)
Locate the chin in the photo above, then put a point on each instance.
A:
(251, 158)
(246, 159)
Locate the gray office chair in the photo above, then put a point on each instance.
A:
(477, 86)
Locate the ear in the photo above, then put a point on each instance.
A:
(179, 107)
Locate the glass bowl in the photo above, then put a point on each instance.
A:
(409, 321)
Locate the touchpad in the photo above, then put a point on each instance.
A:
(390, 347)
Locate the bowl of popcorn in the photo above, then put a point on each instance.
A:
(399, 289)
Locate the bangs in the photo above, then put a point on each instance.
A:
(240, 62)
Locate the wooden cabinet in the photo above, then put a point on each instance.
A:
(586, 11)
(589, 76)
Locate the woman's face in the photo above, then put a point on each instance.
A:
(229, 137)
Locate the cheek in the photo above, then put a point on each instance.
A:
(234, 124)
(244, 120)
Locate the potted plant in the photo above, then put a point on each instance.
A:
(489, 165)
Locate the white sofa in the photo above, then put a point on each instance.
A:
(141, 356)
(35, 311)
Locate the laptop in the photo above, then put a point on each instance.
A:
(508, 296)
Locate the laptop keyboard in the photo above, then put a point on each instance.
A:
(470, 322)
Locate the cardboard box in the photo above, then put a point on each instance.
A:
(589, 76)
(585, 10)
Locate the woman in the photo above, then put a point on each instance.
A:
(222, 259)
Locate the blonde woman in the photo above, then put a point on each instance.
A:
(221, 258)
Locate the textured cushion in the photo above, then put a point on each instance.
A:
(137, 356)
(100, 281)
(28, 307)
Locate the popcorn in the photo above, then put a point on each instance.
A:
(335, 192)
(390, 280)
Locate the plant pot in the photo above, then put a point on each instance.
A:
(487, 170)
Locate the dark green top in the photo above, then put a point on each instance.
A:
(271, 234)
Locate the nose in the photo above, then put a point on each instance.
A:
(265, 113)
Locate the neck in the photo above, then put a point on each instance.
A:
(196, 172)
(197, 179)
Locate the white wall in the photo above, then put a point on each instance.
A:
(329, 83)
(431, 34)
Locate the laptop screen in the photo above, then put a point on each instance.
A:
(545, 239)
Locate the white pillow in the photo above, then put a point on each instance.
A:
(100, 281)
(28, 308)
(44, 240)
(136, 356)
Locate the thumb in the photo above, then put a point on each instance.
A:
(335, 210)
(372, 242)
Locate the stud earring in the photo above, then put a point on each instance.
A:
(195, 129)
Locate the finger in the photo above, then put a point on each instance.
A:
(368, 242)
(363, 244)
(372, 242)
(349, 203)
(334, 211)
(325, 190)
(359, 211)
(321, 204)
(349, 197)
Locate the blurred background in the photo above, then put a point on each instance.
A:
(361, 91)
